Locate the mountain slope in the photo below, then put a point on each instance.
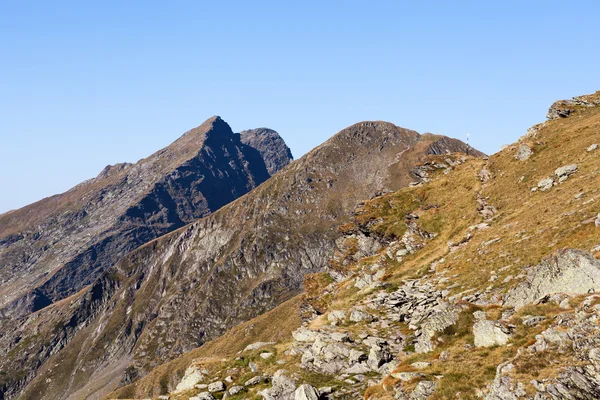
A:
(175, 293)
(484, 282)
(55, 247)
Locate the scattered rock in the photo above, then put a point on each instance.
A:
(592, 147)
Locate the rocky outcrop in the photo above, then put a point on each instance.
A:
(569, 271)
(564, 108)
(270, 145)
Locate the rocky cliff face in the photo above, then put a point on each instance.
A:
(270, 145)
(175, 293)
(53, 248)
(473, 282)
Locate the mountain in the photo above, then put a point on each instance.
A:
(182, 289)
(57, 246)
(480, 280)
(270, 145)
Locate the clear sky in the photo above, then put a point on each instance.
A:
(84, 84)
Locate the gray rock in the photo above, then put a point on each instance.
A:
(356, 356)
(306, 392)
(545, 184)
(378, 356)
(502, 388)
(258, 345)
(359, 316)
(304, 335)
(218, 386)
(489, 333)
(236, 389)
(336, 315)
(565, 171)
(282, 388)
(592, 147)
(255, 381)
(523, 152)
(423, 390)
(406, 376)
(193, 375)
(203, 396)
(570, 271)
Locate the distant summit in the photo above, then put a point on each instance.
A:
(272, 147)
(53, 248)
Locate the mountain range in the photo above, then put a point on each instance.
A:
(382, 264)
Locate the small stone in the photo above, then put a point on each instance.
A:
(266, 356)
(420, 365)
(236, 389)
(592, 147)
(545, 184)
(203, 396)
(255, 381)
(253, 367)
(258, 345)
(406, 376)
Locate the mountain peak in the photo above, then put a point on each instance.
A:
(270, 145)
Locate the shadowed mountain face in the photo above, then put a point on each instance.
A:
(55, 247)
(182, 289)
(272, 147)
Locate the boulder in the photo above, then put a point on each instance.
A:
(306, 392)
(217, 386)
(569, 271)
(545, 184)
(190, 379)
(304, 335)
(255, 381)
(523, 152)
(282, 387)
(359, 316)
(564, 172)
(489, 333)
(423, 390)
(235, 390)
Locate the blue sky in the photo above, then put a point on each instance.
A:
(86, 84)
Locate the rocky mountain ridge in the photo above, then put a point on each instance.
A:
(55, 247)
(471, 283)
(184, 288)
